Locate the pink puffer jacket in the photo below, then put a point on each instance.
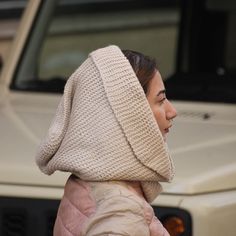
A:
(105, 208)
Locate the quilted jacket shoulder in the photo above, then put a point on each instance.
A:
(105, 208)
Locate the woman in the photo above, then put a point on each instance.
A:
(109, 131)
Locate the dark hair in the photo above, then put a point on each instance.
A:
(143, 66)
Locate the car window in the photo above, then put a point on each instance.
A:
(74, 28)
(194, 45)
(206, 62)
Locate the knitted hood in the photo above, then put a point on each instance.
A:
(104, 128)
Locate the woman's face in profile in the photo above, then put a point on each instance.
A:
(161, 107)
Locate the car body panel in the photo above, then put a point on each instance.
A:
(26, 117)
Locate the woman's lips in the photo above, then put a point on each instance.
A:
(167, 130)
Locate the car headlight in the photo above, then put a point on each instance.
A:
(177, 221)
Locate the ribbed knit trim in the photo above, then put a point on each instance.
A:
(132, 110)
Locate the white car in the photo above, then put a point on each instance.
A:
(194, 42)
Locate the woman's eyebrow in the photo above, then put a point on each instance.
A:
(161, 92)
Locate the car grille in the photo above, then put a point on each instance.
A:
(23, 216)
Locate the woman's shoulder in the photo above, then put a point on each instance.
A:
(118, 212)
(117, 206)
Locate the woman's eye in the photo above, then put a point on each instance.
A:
(162, 100)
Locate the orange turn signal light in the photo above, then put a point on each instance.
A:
(174, 225)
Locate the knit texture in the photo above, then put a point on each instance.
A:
(104, 128)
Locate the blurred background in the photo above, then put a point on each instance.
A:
(10, 13)
(132, 24)
(194, 42)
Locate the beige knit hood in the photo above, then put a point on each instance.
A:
(104, 128)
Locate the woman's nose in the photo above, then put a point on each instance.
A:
(171, 112)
